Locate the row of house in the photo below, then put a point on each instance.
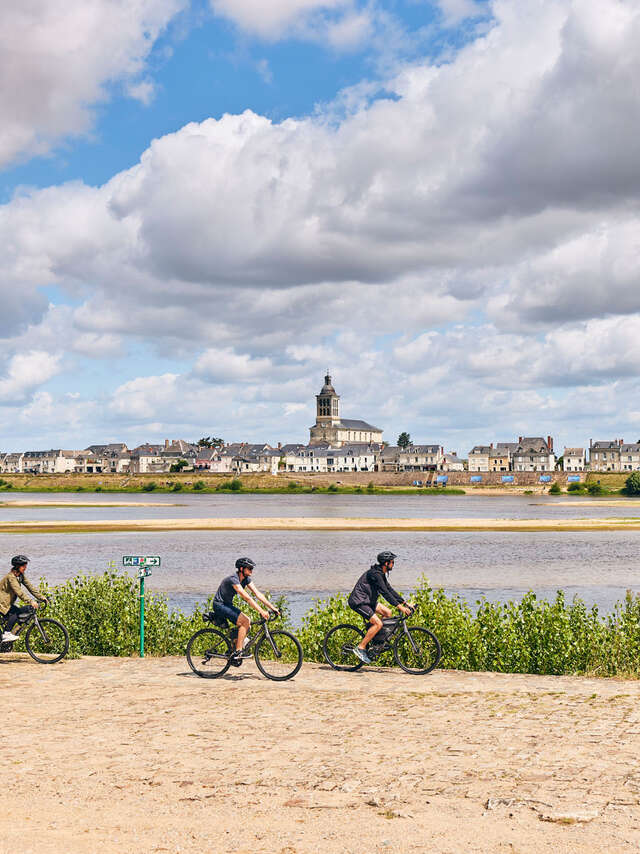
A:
(536, 454)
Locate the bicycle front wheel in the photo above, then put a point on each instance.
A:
(417, 651)
(279, 655)
(338, 647)
(208, 653)
(47, 641)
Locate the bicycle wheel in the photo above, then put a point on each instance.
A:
(208, 653)
(338, 647)
(280, 657)
(418, 652)
(47, 641)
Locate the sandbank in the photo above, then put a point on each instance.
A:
(142, 756)
(311, 523)
(80, 504)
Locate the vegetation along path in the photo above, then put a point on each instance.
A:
(142, 756)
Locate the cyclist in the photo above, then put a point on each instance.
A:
(224, 608)
(363, 599)
(10, 590)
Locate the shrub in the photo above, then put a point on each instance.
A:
(632, 483)
(576, 487)
(595, 489)
(293, 485)
(359, 490)
(198, 485)
(98, 489)
(332, 487)
(235, 485)
(149, 486)
(371, 486)
(177, 486)
(555, 488)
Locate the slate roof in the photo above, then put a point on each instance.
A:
(356, 424)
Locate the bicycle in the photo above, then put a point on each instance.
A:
(277, 653)
(46, 640)
(415, 649)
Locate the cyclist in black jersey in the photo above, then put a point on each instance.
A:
(363, 599)
(223, 606)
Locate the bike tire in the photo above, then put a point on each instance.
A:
(209, 641)
(425, 659)
(273, 667)
(50, 647)
(334, 643)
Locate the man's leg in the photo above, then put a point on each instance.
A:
(243, 624)
(384, 611)
(372, 631)
(11, 617)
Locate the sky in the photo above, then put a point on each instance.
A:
(206, 204)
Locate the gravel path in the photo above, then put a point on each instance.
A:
(130, 755)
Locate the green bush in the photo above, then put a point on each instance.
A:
(371, 487)
(236, 485)
(595, 489)
(555, 488)
(293, 485)
(198, 485)
(576, 487)
(149, 486)
(176, 487)
(332, 487)
(632, 483)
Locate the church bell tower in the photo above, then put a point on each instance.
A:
(328, 404)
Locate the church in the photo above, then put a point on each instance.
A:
(331, 429)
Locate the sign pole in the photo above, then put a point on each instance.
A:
(142, 616)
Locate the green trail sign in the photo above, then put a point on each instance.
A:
(144, 563)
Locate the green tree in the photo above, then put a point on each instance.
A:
(181, 464)
(632, 483)
(210, 442)
(404, 440)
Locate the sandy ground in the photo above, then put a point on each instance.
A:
(56, 503)
(130, 755)
(311, 523)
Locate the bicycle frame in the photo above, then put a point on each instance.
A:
(252, 641)
(6, 646)
(377, 649)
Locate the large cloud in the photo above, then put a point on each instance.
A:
(482, 187)
(56, 59)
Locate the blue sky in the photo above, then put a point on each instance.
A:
(432, 198)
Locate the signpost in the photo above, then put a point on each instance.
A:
(144, 563)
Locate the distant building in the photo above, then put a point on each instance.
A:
(574, 459)
(605, 455)
(534, 454)
(479, 457)
(630, 457)
(331, 429)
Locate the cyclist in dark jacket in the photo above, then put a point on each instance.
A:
(363, 599)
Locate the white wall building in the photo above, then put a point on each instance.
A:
(574, 459)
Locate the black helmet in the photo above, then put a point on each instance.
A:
(19, 560)
(385, 557)
(244, 563)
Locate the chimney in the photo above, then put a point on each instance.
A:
(491, 445)
(279, 446)
(621, 442)
(550, 443)
(166, 444)
(519, 440)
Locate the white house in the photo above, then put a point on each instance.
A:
(630, 457)
(479, 457)
(574, 459)
(534, 454)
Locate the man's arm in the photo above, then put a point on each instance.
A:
(386, 590)
(16, 588)
(261, 597)
(34, 592)
(250, 600)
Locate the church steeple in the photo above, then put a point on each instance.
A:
(328, 403)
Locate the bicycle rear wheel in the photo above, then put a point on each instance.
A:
(418, 652)
(47, 641)
(338, 647)
(208, 653)
(280, 656)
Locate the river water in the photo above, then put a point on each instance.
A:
(598, 566)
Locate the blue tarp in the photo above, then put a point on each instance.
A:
(442, 478)
(476, 478)
(507, 478)
(417, 483)
(545, 478)
(573, 478)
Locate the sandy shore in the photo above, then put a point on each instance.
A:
(57, 503)
(310, 523)
(124, 755)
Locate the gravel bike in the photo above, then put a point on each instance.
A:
(46, 640)
(415, 649)
(277, 653)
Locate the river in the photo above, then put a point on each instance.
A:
(598, 566)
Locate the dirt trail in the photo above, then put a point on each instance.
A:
(129, 755)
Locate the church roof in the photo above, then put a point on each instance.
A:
(356, 424)
(328, 388)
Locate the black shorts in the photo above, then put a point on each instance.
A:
(365, 611)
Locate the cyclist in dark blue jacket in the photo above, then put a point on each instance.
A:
(363, 599)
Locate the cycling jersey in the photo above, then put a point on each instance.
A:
(372, 584)
(225, 592)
